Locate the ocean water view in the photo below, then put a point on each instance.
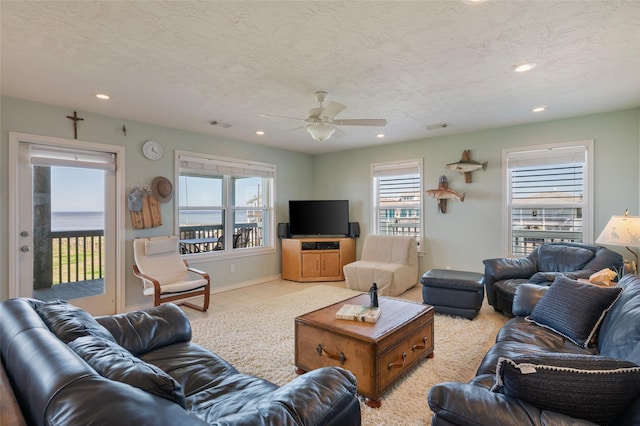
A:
(77, 221)
(80, 221)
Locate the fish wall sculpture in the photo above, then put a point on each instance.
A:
(466, 165)
(444, 193)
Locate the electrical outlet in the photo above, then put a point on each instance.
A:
(233, 267)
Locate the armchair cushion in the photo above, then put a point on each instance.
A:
(161, 245)
(510, 268)
(594, 388)
(69, 322)
(573, 309)
(116, 363)
(558, 258)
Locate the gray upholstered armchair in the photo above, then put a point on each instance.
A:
(503, 275)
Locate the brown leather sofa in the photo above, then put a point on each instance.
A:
(141, 368)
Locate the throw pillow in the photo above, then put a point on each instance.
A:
(587, 387)
(574, 310)
(116, 363)
(69, 322)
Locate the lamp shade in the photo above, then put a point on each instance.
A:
(321, 131)
(621, 231)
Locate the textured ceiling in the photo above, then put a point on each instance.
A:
(182, 64)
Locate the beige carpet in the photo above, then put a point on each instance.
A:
(260, 341)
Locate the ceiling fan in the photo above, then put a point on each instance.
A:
(322, 122)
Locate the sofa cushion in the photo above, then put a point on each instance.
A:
(116, 363)
(142, 331)
(573, 309)
(562, 258)
(69, 322)
(589, 387)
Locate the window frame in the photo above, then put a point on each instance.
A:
(587, 204)
(234, 168)
(387, 168)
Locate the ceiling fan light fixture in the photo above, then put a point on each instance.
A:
(321, 131)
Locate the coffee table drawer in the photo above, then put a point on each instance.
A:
(399, 357)
(317, 348)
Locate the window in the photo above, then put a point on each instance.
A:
(547, 193)
(225, 205)
(397, 198)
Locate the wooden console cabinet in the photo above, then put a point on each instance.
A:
(316, 259)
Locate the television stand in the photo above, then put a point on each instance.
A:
(316, 259)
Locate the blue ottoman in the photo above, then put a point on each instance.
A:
(457, 293)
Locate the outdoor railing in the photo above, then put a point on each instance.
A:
(77, 255)
(212, 237)
(524, 241)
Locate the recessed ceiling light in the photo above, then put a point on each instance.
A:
(524, 67)
(380, 135)
(103, 96)
(539, 109)
(260, 132)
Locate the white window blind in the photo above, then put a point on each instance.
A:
(397, 198)
(49, 155)
(547, 196)
(224, 166)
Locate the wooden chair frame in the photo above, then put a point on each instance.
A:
(159, 297)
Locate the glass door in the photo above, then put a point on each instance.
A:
(66, 225)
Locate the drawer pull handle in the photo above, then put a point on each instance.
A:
(340, 357)
(392, 365)
(425, 339)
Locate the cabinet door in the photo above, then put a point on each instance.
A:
(311, 265)
(330, 264)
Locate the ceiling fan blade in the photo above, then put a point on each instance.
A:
(332, 110)
(339, 133)
(282, 116)
(361, 122)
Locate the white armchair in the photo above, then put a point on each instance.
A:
(389, 261)
(164, 274)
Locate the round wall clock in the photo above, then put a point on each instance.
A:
(152, 150)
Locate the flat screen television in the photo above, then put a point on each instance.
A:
(318, 217)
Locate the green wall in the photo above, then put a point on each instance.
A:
(294, 180)
(468, 233)
(472, 231)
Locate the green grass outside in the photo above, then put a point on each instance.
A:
(76, 265)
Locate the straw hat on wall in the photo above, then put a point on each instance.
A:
(162, 189)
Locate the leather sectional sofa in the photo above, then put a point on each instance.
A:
(141, 368)
(535, 374)
(503, 275)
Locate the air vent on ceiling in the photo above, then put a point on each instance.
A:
(437, 126)
(219, 124)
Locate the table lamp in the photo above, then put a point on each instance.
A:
(622, 231)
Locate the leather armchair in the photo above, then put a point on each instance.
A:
(502, 276)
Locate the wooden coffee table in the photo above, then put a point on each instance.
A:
(377, 354)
